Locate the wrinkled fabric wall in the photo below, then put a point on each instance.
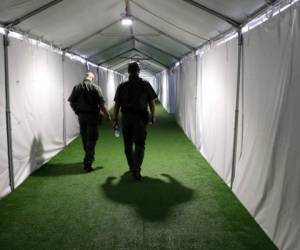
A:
(109, 82)
(186, 87)
(4, 175)
(216, 106)
(268, 174)
(172, 91)
(163, 89)
(267, 178)
(43, 122)
(206, 89)
(36, 77)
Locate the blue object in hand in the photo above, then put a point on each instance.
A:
(117, 131)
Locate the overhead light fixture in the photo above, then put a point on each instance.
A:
(126, 17)
(126, 21)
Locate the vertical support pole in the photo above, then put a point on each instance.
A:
(64, 101)
(8, 114)
(237, 104)
(87, 66)
(98, 80)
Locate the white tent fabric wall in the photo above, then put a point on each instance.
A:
(109, 82)
(102, 81)
(112, 84)
(268, 174)
(186, 87)
(163, 89)
(73, 74)
(36, 102)
(40, 83)
(4, 175)
(216, 106)
(172, 91)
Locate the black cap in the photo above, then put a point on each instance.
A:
(133, 68)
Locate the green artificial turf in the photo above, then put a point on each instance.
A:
(180, 204)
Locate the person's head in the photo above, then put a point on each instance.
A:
(133, 69)
(89, 76)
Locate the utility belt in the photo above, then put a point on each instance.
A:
(144, 114)
(88, 112)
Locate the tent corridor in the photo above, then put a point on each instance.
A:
(181, 203)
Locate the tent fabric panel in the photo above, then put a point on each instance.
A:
(73, 73)
(36, 102)
(93, 46)
(102, 78)
(114, 63)
(4, 173)
(79, 19)
(109, 81)
(172, 91)
(112, 84)
(151, 36)
(113, 53)
(267, 175)
(13, 9)
(161, 57)
(149, 68)
(163, 89)
(235, 9)
(181, 14)
(216, 94)
(153, 65)
(186, 86)
(160, 40)
(104, 40)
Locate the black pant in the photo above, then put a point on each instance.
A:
(134, 134)
(89, 134)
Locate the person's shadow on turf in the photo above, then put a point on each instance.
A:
(152, 198)
(60, 169)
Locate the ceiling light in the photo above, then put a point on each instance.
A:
(127, 21)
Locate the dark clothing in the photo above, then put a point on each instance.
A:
(134, 133)
(134, 96)
(89, 135)
(85, 100)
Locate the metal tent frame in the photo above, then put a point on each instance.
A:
(235, 25)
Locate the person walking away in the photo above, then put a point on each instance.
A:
(87, 101)
(134, 97)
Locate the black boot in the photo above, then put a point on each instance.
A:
(137, 175)
(88, 168)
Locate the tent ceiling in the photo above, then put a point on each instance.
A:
(238, 10)
(119, 63)
(163, 30)
(13, 9)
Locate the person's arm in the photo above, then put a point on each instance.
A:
(152, 96)
(117, 107)
(103, 108)
(101, 101)
(116, 113)
(152, 111)
(72, 100)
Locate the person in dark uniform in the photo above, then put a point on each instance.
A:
(86, 100)
(133, 98)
